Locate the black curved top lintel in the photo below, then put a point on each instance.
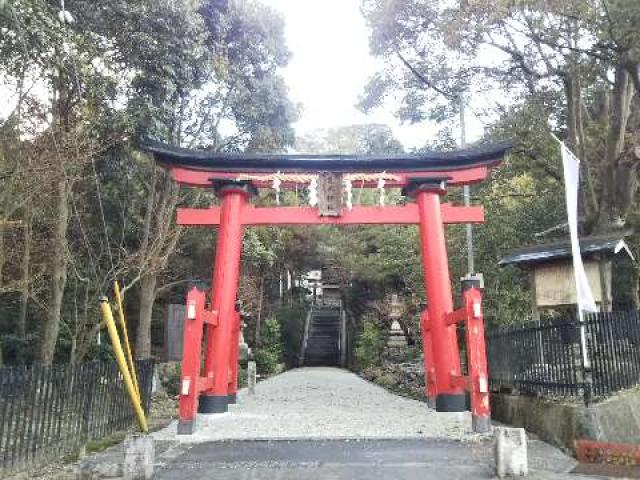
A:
(479, 156)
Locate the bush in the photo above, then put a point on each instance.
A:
(269, 356)
(369, 347)
(291, 320)
(169, 374)
(242, 377)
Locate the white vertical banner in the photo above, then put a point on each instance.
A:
(571, 167)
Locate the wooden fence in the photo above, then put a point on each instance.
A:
(47, 412)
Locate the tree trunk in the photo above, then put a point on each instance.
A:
(635, 300)
(157, 225)
(147, 298)
(576, 142)
(2, 229)
(73, 350)
(85, 338)
(51, 325)
(619, 177)
(259, 315)
(25, 288)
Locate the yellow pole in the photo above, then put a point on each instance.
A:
(122, 363)
(123, 326)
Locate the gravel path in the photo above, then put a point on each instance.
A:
(326, 403)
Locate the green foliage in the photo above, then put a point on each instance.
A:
(169, 376)
(80, 92)
(207, 75)
(540, 65)
(291, 320)
(269, 355)
(242, 377)
(369, 346)
(367, 262)
(549, 56)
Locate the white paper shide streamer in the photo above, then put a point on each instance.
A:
(348, 188)
(381, 184)
(64, 15)
(313, 191)
(277, 181)
(571, 166)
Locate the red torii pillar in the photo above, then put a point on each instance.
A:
(442, 357)
(221, 360)
(216, 389)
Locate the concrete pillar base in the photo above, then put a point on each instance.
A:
(451, 402)
(480, 424)
(186, 427)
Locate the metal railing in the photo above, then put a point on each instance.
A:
(305, 337)
(548, 359)
(47, 412)
(344, 339)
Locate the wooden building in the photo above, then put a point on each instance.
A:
(551, 270)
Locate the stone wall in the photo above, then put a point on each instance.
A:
(616, 419)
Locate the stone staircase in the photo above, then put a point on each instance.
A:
(322, 346)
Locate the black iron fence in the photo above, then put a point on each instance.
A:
(47, 412)
(567, 358)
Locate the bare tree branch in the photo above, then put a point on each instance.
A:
(428, 83)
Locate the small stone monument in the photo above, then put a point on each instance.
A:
(396, 348)
(139, 455)
(132, 460)
(396, 336)
(510, 451)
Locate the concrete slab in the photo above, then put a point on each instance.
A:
(342, 459)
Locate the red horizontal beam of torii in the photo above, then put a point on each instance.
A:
(370, 215)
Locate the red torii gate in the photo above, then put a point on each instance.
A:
(423, 177)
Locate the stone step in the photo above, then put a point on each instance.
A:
(322, 342)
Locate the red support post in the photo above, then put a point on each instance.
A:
(450, 397)
(218, 360)
(234, 359)
(191, 356)
(429, 367)
(477, 357)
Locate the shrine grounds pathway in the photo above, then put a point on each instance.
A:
(327, 423)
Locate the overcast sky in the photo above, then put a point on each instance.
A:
(330, 65)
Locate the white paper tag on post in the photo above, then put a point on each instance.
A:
(483, 385)
(186, 383)
(477, 310)
(191, 311)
